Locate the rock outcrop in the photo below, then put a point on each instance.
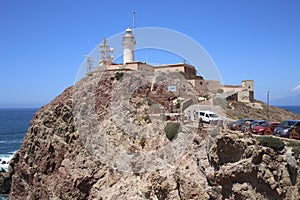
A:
(245, 170)
(102, 139)
(5, 182)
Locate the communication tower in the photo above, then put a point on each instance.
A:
(106, 56)
(89, 65)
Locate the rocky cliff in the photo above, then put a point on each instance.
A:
(102, 139)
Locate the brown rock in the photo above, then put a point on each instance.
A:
(5, 182)
(88, 143)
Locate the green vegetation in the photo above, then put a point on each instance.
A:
(220, 91)
(160, 78)
(274, 143)
(171, 130)
(178, 103)
(119, 75)
(295, 148)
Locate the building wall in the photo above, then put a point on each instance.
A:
(132, 66)
(230, 88)
(169, 69)
(188, 70)
(199, 85)
(146, 67)
(213, 85)
(243, 96)
(248, 85)
(115, 67)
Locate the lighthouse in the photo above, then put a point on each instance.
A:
(128, 46)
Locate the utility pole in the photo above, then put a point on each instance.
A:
(268, 102)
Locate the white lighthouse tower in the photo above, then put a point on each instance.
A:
(128, 46)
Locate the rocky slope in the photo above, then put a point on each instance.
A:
(103, 139)
(258, 110)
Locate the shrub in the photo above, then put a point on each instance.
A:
(220, 91)
(178, 103)
(293, 144)
(296, 151)
(171, 129)
(119, 75)
(274, 143)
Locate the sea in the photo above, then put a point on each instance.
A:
(295, 109)
(13, 126)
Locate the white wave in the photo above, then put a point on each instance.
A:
(10, 141)
(6, 158)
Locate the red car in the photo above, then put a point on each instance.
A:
(266, 128)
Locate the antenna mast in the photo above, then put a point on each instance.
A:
(106, 56)
(89, 65)
(134, 27)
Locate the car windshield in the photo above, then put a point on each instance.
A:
(254, 122)
(213, 115)
(288, 123)
(257, 122)
(265, 124)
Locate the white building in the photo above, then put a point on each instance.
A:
(128, 45)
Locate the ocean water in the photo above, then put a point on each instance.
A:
(295, 109)
(13, 126)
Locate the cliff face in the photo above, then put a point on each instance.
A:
(97, 140)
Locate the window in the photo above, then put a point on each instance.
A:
(201, 83)
(213, 115)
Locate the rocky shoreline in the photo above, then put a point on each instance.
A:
(60, 160)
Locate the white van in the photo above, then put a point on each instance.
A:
(208, 116)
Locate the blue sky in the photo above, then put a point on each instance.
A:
(43, 43)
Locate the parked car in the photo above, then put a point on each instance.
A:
(284, 129)
(252, 124)
(236, 125)
(256, 123)
(208, 116)
(265, 128)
